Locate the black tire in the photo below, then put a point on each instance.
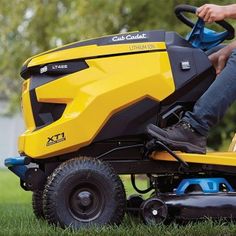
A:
(134, 202)
(82, 192)
(37, 204)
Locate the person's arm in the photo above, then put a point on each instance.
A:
(211, 12)
(220, 57)
(230, 11)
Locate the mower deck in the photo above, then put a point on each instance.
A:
(211, 158)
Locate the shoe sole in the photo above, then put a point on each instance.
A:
(177, 146)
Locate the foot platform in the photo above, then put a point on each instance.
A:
(211, 158)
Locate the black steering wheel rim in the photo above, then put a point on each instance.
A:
(181, 9)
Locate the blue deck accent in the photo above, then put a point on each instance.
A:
(208, 185)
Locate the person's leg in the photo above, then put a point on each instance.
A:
(212, 105)
(190, 134)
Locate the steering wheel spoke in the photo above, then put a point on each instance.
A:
(200, 36)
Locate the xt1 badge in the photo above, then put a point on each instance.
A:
(57, 138)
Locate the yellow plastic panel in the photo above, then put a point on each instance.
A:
(211, 158)
(26, 106)
(93, 95)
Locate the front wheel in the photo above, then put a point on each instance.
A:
(83, 192)
(37, 204)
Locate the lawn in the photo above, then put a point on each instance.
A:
(16, 218)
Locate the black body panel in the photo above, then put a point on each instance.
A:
(53, 70)
(130, 121)
(193, 73)
(187, 95)
(196, 60)
(174, 39)
(115, 149)
(193, 90)
(171, 38)
(37, 80)
(45, 113)
(135, 37)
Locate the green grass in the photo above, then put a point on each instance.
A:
(16, 218)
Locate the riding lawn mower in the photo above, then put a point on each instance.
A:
(86, 107)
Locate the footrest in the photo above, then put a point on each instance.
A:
(211, 158)
(154, 144)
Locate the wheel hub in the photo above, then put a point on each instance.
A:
(86, 203)
(154, 211)
(85, 199)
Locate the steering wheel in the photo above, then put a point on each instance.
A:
(200, 36)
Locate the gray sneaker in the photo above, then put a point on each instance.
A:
(180, 137)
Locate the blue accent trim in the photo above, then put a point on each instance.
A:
(17, 165)
(19, 171)
(208, 185)
(204, 38)
(14, 161)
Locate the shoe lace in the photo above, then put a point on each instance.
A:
(182, 124)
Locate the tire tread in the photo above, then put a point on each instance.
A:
(77, 164)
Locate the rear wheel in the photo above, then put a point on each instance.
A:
(83, 192)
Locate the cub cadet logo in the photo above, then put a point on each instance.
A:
(57, 138)
(129, 37)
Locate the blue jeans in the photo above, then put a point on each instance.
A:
(212, 105)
